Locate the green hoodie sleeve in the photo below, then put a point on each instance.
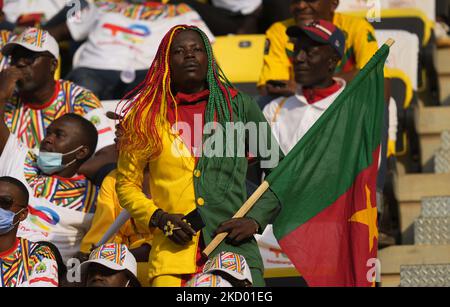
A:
(268, 155)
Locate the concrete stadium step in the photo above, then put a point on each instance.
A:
(409, 190)
(432, 231)
(434, 275)
(442, 161)
(445, 140)
(431, 122)
(394, 258)
(442, 157)
(433, 207)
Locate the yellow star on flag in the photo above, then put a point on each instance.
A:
(368, 217)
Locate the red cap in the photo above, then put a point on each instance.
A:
(321, 31)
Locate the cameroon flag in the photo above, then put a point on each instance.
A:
(326, 185)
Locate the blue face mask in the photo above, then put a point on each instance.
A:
(7, 220)
(51, 162)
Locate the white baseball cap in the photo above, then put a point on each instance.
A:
(232, 264)
(114, 256)
(33, 39)
(208, 280)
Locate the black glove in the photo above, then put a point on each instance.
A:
(173, 226)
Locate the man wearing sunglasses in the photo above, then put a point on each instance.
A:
(277, 76)
(22, 263)
(37, 99)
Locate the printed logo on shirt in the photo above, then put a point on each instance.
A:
(43, 217)
(44, 273)
(134, 33)
(41, 268)
(95, 120)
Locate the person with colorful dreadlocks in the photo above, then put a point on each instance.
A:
(194, 196)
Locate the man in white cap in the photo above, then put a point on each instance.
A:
(226, 269)
(38, 99)
(110, 265)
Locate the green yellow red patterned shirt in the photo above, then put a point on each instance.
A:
(29, 122)
(28, 264)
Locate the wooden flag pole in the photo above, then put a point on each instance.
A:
(390, 42)
(241, 213)
(251, 201)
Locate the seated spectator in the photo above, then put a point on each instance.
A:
(30, 13)
(121, 42)
(135, 236)
(277, 77)
(319, 47)
(39, 99)
(62, 202)
(228, 16)
(110, 265)
(23, 263)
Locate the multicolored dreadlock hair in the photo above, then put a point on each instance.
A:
(144, 109)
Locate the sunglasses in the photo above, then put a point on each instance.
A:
(28, 58)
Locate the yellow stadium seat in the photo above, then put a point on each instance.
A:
(413, 20)
(240, 56)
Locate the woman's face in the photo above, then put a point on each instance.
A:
(188, 62)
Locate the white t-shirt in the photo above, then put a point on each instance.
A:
(60, 209)
(126, 36)
(243, 7)
(13, 9)
(290, 118)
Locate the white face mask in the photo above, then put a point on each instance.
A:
(51, 162)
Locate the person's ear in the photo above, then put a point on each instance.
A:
(333, 62)
(23, 215)
(53, 66)
(83, 153)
